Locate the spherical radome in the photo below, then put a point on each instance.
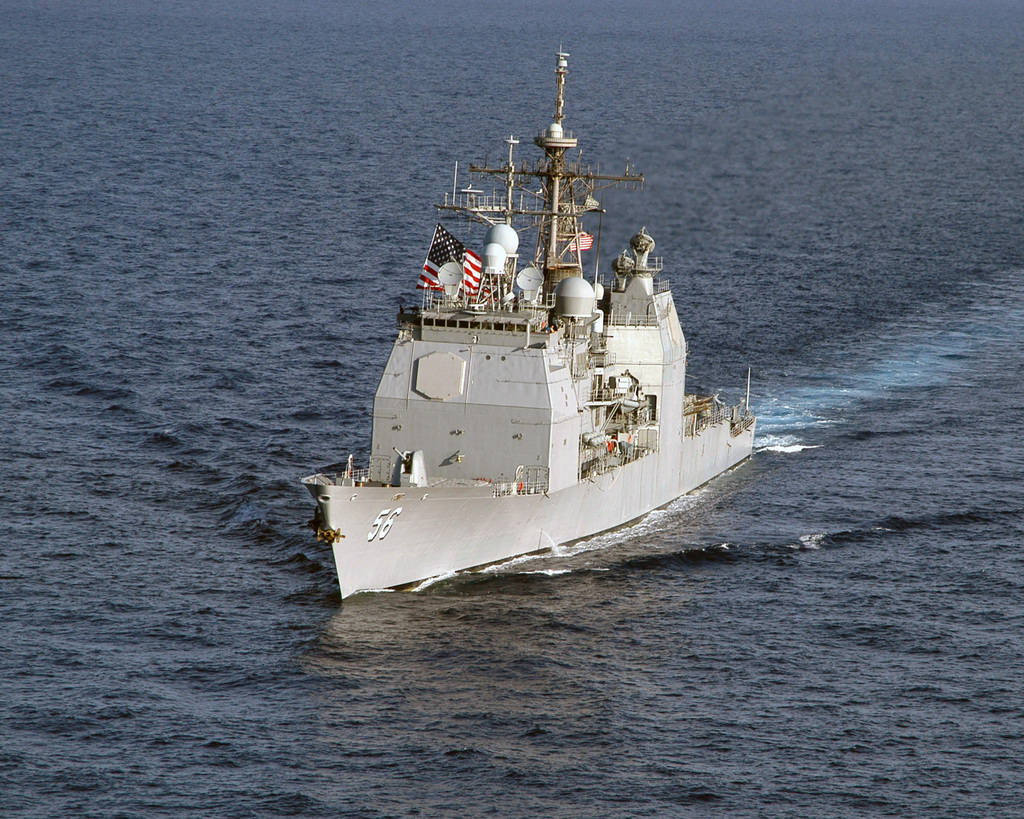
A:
(574, 298)
(504, 235)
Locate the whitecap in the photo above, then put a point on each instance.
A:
(811, 541)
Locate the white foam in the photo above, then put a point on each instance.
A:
(765, 441)
(788, 449)
(430, 581)
(550, 572)
(782, 443)
(505, 565)
(810, 542)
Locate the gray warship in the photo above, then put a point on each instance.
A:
(525, 404)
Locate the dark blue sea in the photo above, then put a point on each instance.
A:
(209, 215)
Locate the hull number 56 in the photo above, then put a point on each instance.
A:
(382, 525)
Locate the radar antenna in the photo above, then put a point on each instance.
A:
(567, 191)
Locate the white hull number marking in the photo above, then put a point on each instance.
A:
(382, 525)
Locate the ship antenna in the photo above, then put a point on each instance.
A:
(597, 255)
(560, 72)
(510, 179)
(555, 143)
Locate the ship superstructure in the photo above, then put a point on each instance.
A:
(523, 406)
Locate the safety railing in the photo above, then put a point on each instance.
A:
(529, 480)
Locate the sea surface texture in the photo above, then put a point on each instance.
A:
(209, 216)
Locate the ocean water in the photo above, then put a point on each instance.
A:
(209, 214)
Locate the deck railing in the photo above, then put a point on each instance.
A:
(530, 480)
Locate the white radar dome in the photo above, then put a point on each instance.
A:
(504, 235)
(450, 273)
(530, 279)
(574, 298)
(554, 131)
(494, 258)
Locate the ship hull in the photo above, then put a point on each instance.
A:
(393, 536)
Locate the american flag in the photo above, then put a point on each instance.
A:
(583, 241)
(443, 248)
(470, 272)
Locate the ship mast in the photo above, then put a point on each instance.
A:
(566, 193)
(561, 227)
(510, 180)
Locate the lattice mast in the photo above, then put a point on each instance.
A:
(557, 232)
(567, 191)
